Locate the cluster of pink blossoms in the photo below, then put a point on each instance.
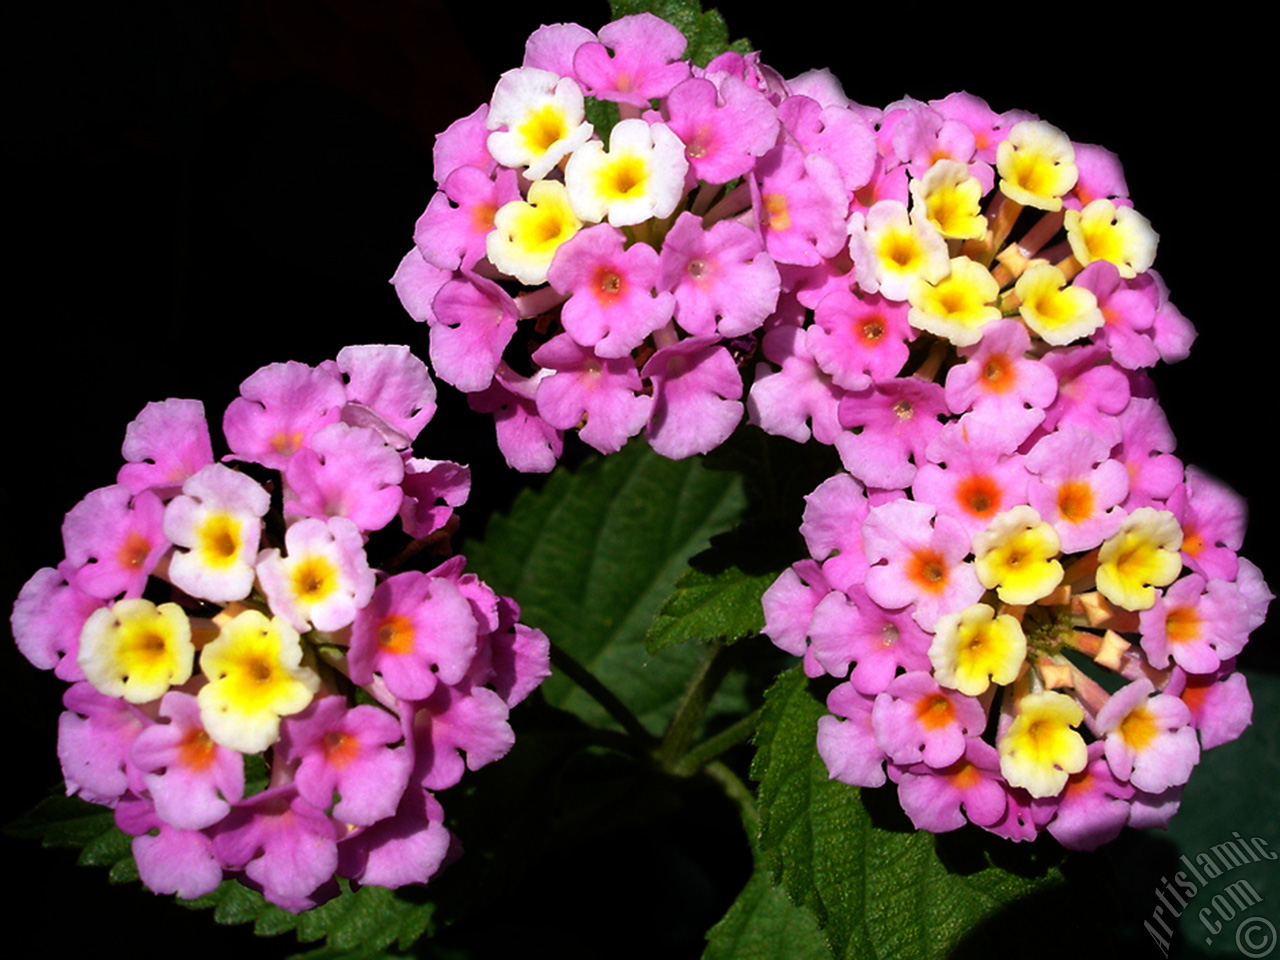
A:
(208, 611)
(962, 303)
(635, 254)
(732, 213)
(1034, 607)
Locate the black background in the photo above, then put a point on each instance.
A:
(199, 189)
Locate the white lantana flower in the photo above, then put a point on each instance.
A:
(1037, 165)
(892, 249)
(1121, 235)
(537, 118)
(639, 178)
(217, 520)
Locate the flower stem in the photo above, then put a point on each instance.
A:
(699, 757)
(692, 707)
(740, 794)
(565, 662)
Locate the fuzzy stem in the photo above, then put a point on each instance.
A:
(704, 753)
(697, 694)
(740, 794)
(731, 204)
(539, 301)
(584, 678)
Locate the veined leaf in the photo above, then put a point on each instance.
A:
(718, 597)
(591, 557)
(877, 891)
(357, 925)
(763, 924)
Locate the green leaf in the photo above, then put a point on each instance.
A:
(590, 558)
(1225, 796)
(356, 925)
(707, 33)
(763, 924)
(718, 597)
(877, 888)
(61, 821)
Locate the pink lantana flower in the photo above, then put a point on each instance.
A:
(347, 753)
(114, 539)
(1146, 450)
(918, 559)
(972, 475)
(604, 391)
(165, 444)
(1149, 738)
(801, 206)
(722, 279)
(279, 408)
(851, 629)
(790, 401)
(95, 738)
(832, 529)
(1212, 518)
(1220, 704)
(463, 144)
(416, 632)
(916, 720)
(696, 386)
(552, 46)
(474, 319)
(1094, 807)
(895, 420)
(176, 861)
(432, 489)
(47, 619)
(724, 128)
(859, 340)
(451, 231)
(1079, 487)
(410, 847)
(789, 605)
(1128, 308)
(968, 790)
(451, 723)
(999, 376)
(613, 304)
(1198, 624)
(847, 740)
(192, 780)
(835, 131)
(345, 471)
(529, 443)
(285, 846)
(636, 60)
(389, 389)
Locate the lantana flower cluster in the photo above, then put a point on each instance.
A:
(606, 276)
(249, 694)
(1032, 605)
(623, 279)
(979, 239)
(1038, 629)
